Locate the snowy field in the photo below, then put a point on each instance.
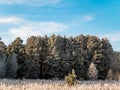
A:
(6, 84)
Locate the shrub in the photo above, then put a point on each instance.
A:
(71, 79)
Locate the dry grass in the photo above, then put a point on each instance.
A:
(57, 85)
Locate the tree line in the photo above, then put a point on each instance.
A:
(55, 56)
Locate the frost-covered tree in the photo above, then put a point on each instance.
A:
(114, 71)
(36, 51)
(2, 64)
(18, 48)
(2, 59)
(92, 72)
(11, 66)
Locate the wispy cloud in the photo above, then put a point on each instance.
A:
(88, 18)
(25, 28)
(37, 28)
(113, 37)
(30, 2)
(10, 20)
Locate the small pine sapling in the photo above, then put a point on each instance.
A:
(71, 79)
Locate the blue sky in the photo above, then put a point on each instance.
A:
(24, 18)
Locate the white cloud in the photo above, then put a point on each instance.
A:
(37, 28)
(22, 32)
(24, 28)
(31, 2)
(18, 27)
(10, 20)
(113, 37)
(88, 18)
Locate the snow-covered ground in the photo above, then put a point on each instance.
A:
(6, 84)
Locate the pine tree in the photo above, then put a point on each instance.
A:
(92, 72)
(11, 66)
(18, 48)
(2, 60)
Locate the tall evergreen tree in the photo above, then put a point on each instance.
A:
(11, 66)
(3, 58)
(17, 47)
